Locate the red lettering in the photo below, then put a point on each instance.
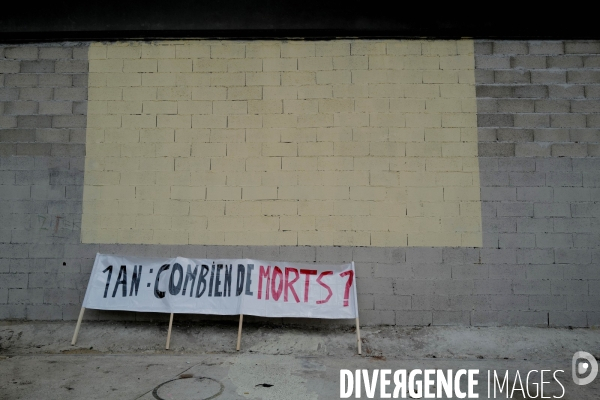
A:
(307, 273)
(325, 273)
(289, 284)
(350, 275)
(267, 274)
(276, 291)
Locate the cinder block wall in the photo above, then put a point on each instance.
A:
(538, 133)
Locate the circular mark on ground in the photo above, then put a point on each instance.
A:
(197, 388)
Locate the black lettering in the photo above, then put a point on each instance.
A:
(249, 279)
(157, 293)
(227, 281)
(189, 276)
(121, 280)
(135, 280)
(239, 287)
(175, 289)
(109, 269)
(218, 280)
(202, 281)
(212, 280)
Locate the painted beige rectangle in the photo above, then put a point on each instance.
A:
(352, 142)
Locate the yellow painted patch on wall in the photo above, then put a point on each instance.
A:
(350, 142)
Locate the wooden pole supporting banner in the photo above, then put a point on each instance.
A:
(77, 326)
(358, 336)
(239, 340)
(358, 341)
(169, 332)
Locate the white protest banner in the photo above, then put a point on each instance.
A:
(224, 287)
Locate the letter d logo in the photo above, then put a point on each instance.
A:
(581, 367)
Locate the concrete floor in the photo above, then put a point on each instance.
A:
(120, 360)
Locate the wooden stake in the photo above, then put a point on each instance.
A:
(239, 340)
(358, 336)
(77, 326)
(169, 332)
(358, 341)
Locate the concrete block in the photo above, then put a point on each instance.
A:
(548, 77)
(414, 287)
(509, 303)
(566, 91)
(482, 47)
(582, 47)
(499, 225)
(495, 120)
(491, 62)
(593, 319)
(496, 149)
(378, 318)
(583, 303)
(498, 256)
(414, 318)
(493, 286)
(567, 318)
(14, 251)
(546, 47)
(531, 286)
(451, 318)
(515, 135)
(431, 271)
(569, 287)
(572, 256)
(298, 254)
(334, 254)
(535, 256)
(547, 271)
(55, 53)
(492, 178)
(460, 255)
(38, 66)
(516, 240)
(512, 76)
(554, 240)
(431, 302)
(44, 312)
(525, 318)
(454, 287)
(423, 255)
(528, 62)
(553, 164)
(392, 302)
(26, 296)
(476, 271)
(512, 209)
(469, 303)
(547, 303)
(498, 194)
(585, 240)
(541, 210)
(13, 312)
(529, 179)
(484, 76)
(530, 91)
(564, 179)
(532, 120)
(493, 91)
(538, 194)
(402, 271)
(378, 254)
(516, 164)
(510, 47)
(375, 286)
